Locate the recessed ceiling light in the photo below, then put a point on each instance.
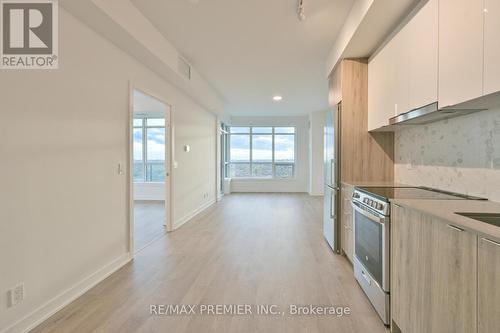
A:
(277, 98)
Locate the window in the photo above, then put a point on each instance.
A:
(260, 152)
(149, 150)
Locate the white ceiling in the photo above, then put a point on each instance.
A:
(250, 50)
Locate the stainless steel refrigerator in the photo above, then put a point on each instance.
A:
(332, 175)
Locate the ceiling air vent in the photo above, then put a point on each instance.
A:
(184, 68)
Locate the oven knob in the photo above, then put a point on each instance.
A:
(365, 200)
(379, 206)
(370, 202)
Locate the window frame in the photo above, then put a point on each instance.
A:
(144, 129)
(274, 163)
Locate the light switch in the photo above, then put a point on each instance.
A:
(120, 169)
(187, 148)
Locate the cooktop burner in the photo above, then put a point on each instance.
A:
(385, 193)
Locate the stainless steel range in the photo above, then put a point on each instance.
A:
(371, 214)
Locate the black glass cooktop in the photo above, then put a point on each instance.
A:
(385, 193)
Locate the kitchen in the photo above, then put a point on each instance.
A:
(311, 166)
(414, 219)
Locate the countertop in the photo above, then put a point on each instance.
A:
(445, 210)
(374, 183)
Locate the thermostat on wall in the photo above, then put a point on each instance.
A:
(187, 148)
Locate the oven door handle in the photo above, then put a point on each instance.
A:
(364, 211)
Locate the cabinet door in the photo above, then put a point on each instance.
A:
(423, 56)
(347, 234)
(401, 59)
(491, 46)
(335, 95)
(381, 84)
(460, 51)
(488, 282)
(433, 274)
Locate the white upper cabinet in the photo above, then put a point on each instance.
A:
(401, 63)
(423, 56)
(491, 46)
(460, 51)
(404, 75)
(381, 83)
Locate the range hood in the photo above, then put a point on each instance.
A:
(428, 114)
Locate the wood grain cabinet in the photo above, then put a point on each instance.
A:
(365, 156)
(433, 274)
(460, 51)
(347, 226)
(491, 46)
(488, 285)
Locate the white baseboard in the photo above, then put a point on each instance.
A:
(45, 311)
(192, 214)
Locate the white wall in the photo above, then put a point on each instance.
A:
(297, 184)
(317, 122)
(63, 206)
(461, 155)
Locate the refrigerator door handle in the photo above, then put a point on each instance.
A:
(332, 215)
(332, 202)
(333, 179)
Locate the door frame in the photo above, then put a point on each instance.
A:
(169, 151)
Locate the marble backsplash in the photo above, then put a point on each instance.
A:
(460, 154)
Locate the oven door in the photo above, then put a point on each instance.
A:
(371, 243)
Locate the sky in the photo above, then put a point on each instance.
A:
(155, 144)
(262, 147)
(239, 150)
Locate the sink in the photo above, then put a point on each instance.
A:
(490, 218)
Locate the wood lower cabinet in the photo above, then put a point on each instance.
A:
(347, 240)
(488, 285)
(433, 274)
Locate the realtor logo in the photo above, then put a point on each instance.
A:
(29, 38)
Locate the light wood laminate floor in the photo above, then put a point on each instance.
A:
(247, 249)
(149, 220)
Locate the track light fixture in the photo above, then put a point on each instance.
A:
(300, 11)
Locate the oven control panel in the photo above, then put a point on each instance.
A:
(371, 201)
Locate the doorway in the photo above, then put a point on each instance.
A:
(150, 176)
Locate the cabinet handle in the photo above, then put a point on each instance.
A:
(396, 205)
(490, 241)
(454, 228)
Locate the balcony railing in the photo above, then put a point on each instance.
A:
(151, 171)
